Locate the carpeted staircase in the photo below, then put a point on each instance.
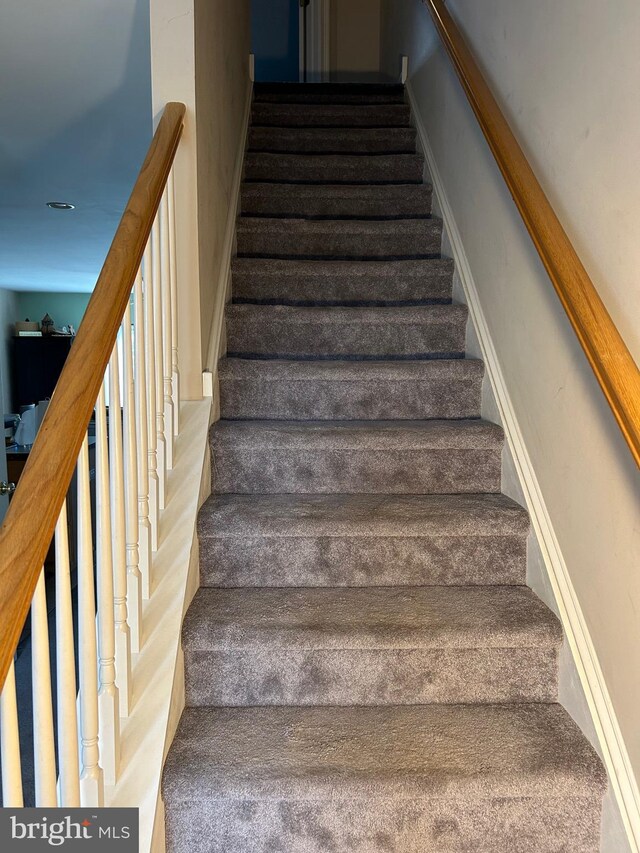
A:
(366, 669)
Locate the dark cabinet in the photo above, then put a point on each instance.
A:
(36, 364)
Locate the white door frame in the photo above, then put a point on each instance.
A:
(318, 41)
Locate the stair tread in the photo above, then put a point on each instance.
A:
(300, 167)
(344, 371)
(330, 115)
(239, 516)
(360, 435)
(362, 269)
(313, 753)
(336, 201)
(333, 140)
(356, 227)
(303, 282)
(335, 239)
(386, 192)
(348, 314)
(335, 93)
(445, 617)
(346, 332)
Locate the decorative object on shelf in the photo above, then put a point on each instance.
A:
(46, 324)
(27, 329)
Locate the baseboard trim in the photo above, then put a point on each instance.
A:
(613, 749)
(217, 322)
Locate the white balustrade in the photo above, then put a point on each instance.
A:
(118, 538)
(108, 699)
(68, 761)
(10, 744)
(132, 530)
(44, 757)
(165, 342)
(156, 299)
(175, 373)
(155, 484)
(134, 449)
(91, 776)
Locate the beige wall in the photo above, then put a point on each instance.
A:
(566, 76)
(355, 38)
(223, 44)
(200, 56)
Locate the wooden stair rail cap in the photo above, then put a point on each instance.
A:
(608, 355)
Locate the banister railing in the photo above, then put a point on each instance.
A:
(134, 436)
(606, 351)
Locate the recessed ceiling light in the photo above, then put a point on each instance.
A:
(60, 205)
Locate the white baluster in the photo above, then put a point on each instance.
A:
(165, 343)
(43, 738)
(147, 508)
(118, 538)
(91, 777)
(175, 373)
(134, 577)
(150, 386)
(68, 762)
(108, 700)
(10, 744)
(156, 294)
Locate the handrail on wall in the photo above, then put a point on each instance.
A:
(608, 355)
(29, 524)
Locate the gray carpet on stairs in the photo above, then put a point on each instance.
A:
(343, 168)
(364, 283)
(337, 390)
(361, 540)
(320, 140)
(339, 239)
(331, 201)
(365, 668)
(280, 331)
(323, 115)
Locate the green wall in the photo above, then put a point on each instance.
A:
(63, 308)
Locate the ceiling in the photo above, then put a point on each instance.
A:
(75, 101)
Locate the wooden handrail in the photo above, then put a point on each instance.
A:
(28, 527)
(608, 355)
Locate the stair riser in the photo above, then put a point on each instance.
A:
(315, 284)
(426, 825)
(329, 99)
(250, 335)
(334, 561)
(275, 676)
(333, 141)
(299, 201)
(301, 115)
(291, 471)
(334, 168)
(349, 400)
(339, 242)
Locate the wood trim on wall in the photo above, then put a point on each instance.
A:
(612, 363)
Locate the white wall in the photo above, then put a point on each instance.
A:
(566, 76)
(209, 72)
